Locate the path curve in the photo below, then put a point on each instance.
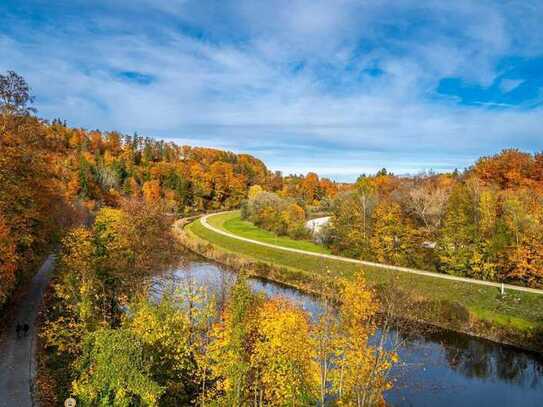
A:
(204, 222)
(17, 355)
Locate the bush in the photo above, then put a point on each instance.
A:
(281, 216)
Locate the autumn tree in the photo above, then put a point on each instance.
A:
(33, 208)
(310, 186)
(8, 261)
(349, 230)
(254, 190)
(509, 169)
(360, 377)
(151, 191)
(230, 349)
(523, 219)
(15, 97)
(283, 356)
(279, 215)
(429, 204)
(394, 240)
(115, 370)
(365, 194)
(459, 234)
(325, 333)
(525, 262)
(293, 220)
(165, 332)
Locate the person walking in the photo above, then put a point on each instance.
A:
(18, 329)
(25, 329)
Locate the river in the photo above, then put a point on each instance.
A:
(441, 368)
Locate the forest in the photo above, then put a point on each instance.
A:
(106, 202)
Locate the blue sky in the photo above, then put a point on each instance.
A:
(341, 87)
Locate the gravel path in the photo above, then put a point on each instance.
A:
(17, 355)
(369, 263)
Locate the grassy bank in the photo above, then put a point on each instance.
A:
(233, 223)
(482, 311)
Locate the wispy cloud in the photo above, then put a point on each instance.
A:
(507, 85)
(342, 87)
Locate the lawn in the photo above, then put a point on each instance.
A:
(232, 222)
(521, 311)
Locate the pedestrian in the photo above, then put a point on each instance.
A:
(18, 329)
(26, 328)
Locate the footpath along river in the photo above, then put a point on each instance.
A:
(441, 368)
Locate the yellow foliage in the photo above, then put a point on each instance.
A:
(151, 191)
(361, 373)
(283, 355)
(254, 191)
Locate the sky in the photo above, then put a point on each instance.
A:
(339, 87)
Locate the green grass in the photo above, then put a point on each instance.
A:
(232, 222)
(520, 311)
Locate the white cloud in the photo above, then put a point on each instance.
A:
(243, 93)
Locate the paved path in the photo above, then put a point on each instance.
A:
(17, 362)
(369, 263)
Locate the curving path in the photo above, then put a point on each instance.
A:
(17, 355)
(204, 222)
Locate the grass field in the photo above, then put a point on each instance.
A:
(519, 311)
(233, 223)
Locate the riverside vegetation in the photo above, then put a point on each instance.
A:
(478, 310)
(107, 343)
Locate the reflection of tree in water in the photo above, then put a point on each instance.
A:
(476, 358)
(472, 359)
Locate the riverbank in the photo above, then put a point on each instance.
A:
(515, 319)
(438, 367)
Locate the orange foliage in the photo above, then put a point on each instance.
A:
(8, 261)
(151, 191)
(510, 169)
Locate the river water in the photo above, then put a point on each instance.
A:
(437, 368)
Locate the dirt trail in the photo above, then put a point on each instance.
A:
(17, 355)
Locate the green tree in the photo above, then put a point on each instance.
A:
(164, 330)
(115, 371)
(394, 240)
(230, 349)
(459, 236)
(351, 226)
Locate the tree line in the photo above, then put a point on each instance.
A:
(485, 223)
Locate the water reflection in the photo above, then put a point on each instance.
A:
(438, 368)
(483, 359)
